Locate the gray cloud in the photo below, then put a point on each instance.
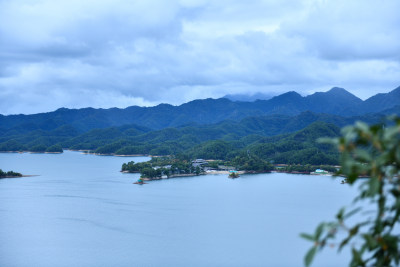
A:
(120, 53)
(351, 30)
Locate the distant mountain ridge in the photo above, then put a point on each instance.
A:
(336, 101)
(377, 102)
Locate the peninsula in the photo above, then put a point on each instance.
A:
(9, 174)
(170, 166)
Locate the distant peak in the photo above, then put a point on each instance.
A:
(293, 93)
(337, 89)
(289, 94)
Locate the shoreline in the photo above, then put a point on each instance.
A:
(85, 152)
(222, 172)
(173, 176)
(31, 152)
(226, 172)
(28, 175)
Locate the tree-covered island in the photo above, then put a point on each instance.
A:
(9, 174)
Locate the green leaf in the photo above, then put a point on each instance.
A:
(362, 155)
(344, 242)
(357, 259)
(371, 241)
(340, 214)
(354, 230)
(318, 231)
(310, 256)
(362, 126)
(307, 236)
(351, 213)
(374, 184)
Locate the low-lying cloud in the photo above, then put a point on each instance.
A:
(120, 53)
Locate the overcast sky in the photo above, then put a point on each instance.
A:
(115, 53)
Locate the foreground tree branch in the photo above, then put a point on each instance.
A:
(372, 152)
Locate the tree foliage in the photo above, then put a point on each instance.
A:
(4, 174)
(55, 149)
(159, 166)
(372, 151)
(249, 162)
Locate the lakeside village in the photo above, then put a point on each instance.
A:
(168, 167)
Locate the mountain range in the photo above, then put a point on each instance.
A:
(336, 101)
(283, 129)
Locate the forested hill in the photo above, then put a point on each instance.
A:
(134, 139)
(337, 101)
(299, 147)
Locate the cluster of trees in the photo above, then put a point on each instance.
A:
(4, 174)
(154, 173)
(298, 148)
(40, 145)
(159, 166)
(135, 167)
(249, 162)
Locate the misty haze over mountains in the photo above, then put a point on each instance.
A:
(249, 97)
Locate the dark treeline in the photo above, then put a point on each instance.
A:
(159, 166)
(4, 174)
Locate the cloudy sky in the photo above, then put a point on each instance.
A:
(115, 53)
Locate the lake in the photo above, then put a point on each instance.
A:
(81, 211)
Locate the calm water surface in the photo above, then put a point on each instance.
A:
(81, 211)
